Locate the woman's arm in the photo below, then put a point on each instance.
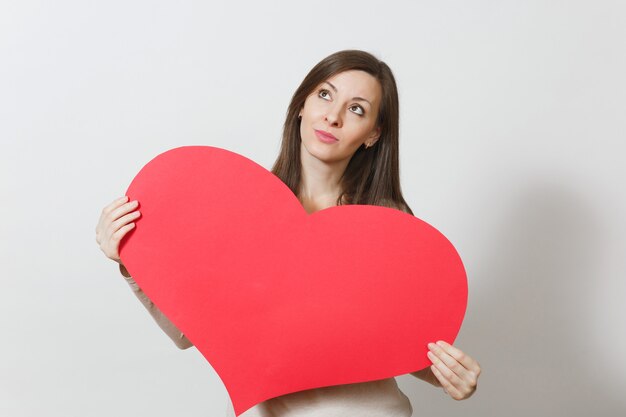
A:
(453, 370)
(164, 323)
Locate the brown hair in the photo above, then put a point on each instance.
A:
(372, 175)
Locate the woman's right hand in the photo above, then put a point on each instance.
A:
(115, 221)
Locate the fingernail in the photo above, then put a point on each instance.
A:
(440, 343)
(431, 346)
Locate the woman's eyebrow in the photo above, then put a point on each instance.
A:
(353, 98)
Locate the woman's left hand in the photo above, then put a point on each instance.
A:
(456, 371)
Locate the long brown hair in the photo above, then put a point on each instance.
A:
(372, 176)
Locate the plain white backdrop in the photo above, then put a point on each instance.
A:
(512, 145)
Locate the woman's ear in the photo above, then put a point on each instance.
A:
(377, 132)
(373, 138)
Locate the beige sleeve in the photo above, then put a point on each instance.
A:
(164, 323)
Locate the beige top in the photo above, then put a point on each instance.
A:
(380, 398)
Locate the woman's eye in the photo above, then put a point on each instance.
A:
(324, 93)
(360, 110)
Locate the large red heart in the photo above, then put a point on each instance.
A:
(278, 300)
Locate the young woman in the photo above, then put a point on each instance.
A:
(339, 146)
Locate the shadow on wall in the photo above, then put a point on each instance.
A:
(528, 325)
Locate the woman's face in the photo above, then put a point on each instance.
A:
(346, 107)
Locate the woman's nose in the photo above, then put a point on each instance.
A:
(333, 117)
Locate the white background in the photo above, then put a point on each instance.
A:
(512, 145)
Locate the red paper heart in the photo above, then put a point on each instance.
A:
(278, 300)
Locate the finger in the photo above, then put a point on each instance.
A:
(117, 236)
(108, 209)
(448, 373)
(122, 210)
(468, 379)
(110, 246)
(122, 221)
(446, 384)
(450, 362)
(115, 204)
(464, 359)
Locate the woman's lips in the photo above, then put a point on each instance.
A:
(325, 137)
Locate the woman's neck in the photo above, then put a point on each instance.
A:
(320, 184)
